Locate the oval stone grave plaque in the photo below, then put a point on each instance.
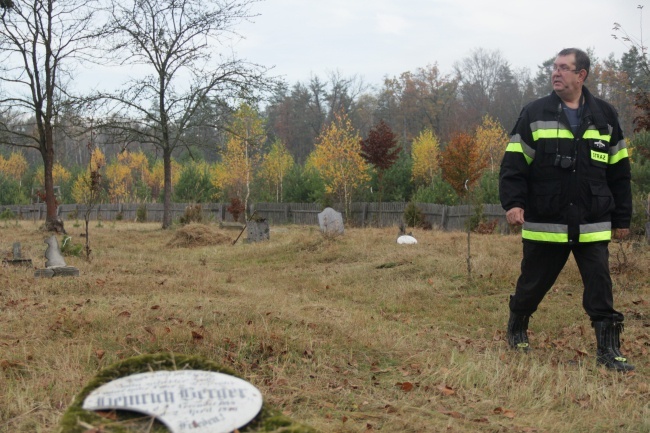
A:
(184, 400)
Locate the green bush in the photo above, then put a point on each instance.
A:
(141, 213)
(438, 192)
(69, 248)
(7, 214)
(413, 215)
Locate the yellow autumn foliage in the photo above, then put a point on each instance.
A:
(15, 166)
(425, 152)
(337, 158)
(275, 166)
(491, 140)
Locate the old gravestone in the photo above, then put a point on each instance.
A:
(182, 393)
(183, 400)
(330, 221)
(54, 261)
(257, 230)
(17, 257)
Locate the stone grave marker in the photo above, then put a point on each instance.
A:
(331, 221)
(171, 392)
(17, 257)
(54, 261)
(258, 230)
(184, 400)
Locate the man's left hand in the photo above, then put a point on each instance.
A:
(621, 234)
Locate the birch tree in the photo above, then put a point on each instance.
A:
(337, 158)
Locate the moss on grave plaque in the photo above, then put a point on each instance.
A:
(78, 420)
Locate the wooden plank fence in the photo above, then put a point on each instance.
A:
(439, 216)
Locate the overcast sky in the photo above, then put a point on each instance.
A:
(378, 38)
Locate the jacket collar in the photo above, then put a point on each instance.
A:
(591, 111)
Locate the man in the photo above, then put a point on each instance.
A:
(565, 177)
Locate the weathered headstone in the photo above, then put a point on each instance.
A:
(182, 392)
(257, 230)
(53, 256)
(17, 257)
(331, 221)
(54, 261)
(185, 401)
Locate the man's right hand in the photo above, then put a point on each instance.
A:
(515, 216)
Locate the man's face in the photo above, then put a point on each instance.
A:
(567, 81)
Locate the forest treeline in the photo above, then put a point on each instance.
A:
(425, 136)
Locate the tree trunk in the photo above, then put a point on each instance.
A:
(167, 201)
(52, 222)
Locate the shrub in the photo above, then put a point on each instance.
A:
(193, 214)
(413, 215)
(141, 213)
(7, 214)
(236, 208)
(68, 248)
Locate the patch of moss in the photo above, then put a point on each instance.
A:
(78, 420)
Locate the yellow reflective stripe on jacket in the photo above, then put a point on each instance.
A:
(518, 148)
(517, 145)
(595, 232)
(562, 238)
(558, 233)
(543, 232)
(594, 134)
(618, 152)
(552, 133)
(595, 237)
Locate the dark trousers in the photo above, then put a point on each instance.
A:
(541, 266)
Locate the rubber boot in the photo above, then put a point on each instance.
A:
(609, 346)
(518, 332)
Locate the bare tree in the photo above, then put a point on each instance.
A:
(177, 42)
(480, 75)
(40, 42)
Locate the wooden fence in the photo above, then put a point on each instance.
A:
(439, 216)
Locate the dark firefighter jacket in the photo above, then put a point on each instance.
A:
(573, 189)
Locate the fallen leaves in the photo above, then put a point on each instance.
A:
(505, 412)
(446, 390)
(405, 386)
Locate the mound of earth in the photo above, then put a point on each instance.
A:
(197, 235)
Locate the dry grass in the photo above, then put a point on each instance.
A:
(351, 334)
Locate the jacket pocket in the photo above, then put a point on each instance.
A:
(602, 201)
(546, 157)
(547, 198)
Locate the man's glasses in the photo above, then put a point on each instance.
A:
(563, 69)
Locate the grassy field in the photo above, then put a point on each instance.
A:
(347, 334)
